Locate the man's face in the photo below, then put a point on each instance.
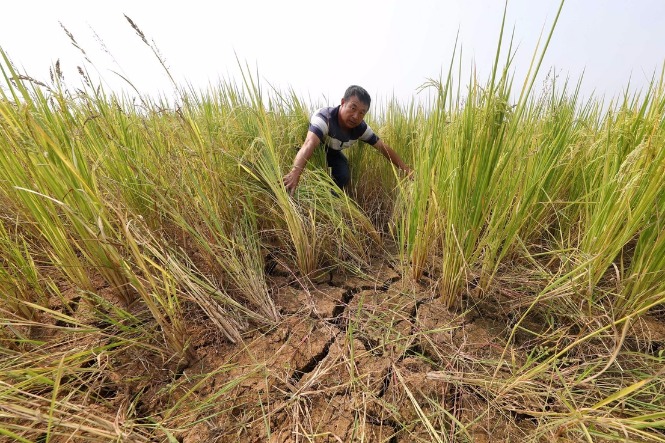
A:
(352, 112)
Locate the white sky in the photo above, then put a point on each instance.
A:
(320, 47)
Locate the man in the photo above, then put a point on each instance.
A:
(339, 128)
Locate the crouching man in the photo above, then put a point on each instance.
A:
(339, 128)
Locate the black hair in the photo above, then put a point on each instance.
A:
(359, 92)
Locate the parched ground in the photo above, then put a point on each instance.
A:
(373, 359)
(367, 360)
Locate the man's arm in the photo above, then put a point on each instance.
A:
(306, 150)
(391, 155)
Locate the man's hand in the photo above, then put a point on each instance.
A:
(291, 180)
(394, 158)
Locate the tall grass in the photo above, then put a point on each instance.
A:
(21, 283)
(156, 218)
(497, 179)
(469, 208)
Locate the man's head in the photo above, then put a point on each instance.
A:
(355, 105)
(360, 92)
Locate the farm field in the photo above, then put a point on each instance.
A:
(158, 283)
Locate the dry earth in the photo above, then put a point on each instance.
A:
(354, 359)
(361, 360)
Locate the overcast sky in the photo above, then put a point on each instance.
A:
(319, 47)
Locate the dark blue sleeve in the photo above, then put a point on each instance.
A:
(316, 130)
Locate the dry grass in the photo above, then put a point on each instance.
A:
(159, 284)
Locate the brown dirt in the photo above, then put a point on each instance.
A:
(350, 363)
(354, 359)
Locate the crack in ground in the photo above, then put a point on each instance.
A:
(69, 309)
(338, 321)
(347, 297)
(308, 367)
(372, 346)
(341, 322)
(388, 282)
(416, 350)
(386, 382)
(396, 427)
(338, 311)
(72, 306)
(521, 416)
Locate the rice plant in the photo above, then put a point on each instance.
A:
(158, 282)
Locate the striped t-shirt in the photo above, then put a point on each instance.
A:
(325, 125)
